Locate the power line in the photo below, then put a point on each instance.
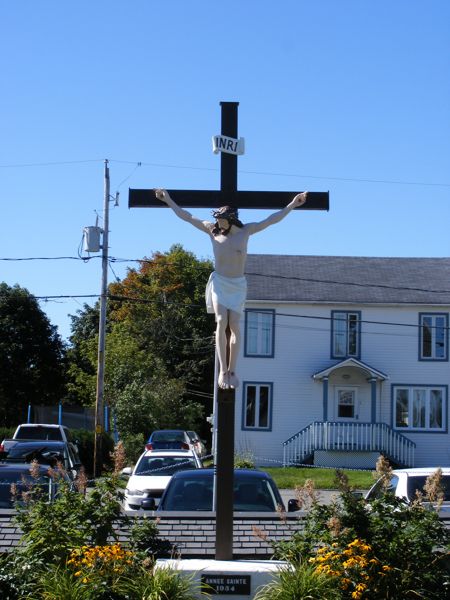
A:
(201, 306)
(248, 172)
(51, 163)
(30, 258)
(48, 297)
(113, 259)
(349, 283)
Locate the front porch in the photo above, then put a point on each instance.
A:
(352, 432)
(322, 441)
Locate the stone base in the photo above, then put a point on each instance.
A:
(232, 579)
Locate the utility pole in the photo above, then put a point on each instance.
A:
(99, 400)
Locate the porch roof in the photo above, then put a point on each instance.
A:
(351, 362)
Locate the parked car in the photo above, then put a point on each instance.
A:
(193, 491)
(405, 483)
(45, 452)
(41, 431)
(169, 439)
(199, 444)
(19, 476)
(152, 473)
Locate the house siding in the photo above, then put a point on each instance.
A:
(389, 343)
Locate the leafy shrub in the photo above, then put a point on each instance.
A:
(301, 583)
(61, 584)
(6, 433)
(385, 549)
(134, 446)
(101, 565)
(68, 549)
(159, 584)
(19, 575)
(144, 539)
(244, 460)
(136, 582)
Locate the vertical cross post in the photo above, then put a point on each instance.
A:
(226, 398)
(227, 195)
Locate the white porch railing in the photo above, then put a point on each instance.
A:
(349, 437)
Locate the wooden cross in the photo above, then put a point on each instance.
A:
(228, 195)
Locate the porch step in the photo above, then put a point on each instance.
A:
(348, 437)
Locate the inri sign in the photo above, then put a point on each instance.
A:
(222, 143)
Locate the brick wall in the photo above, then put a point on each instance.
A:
(194, 536)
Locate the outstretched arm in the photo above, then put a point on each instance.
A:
(164, 196)
(298, 200)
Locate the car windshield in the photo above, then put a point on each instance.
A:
(21, 450)
(22, 480)
(150, 465)
(250, 494)
(417, 482)
(43, 454)
(167, 436)
(38, 433)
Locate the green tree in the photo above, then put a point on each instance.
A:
(82, 356)
(32, 363)
(159, 346)
(164, 304)
(143, 393)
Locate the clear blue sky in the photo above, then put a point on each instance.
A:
(350, 96)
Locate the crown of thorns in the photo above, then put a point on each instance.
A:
(226, 212)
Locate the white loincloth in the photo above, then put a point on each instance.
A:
(229, 292)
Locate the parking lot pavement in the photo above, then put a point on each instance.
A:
(324, 496)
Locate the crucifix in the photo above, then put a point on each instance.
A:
(227, 289)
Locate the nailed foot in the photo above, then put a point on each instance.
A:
(223, 380)
(234, 381)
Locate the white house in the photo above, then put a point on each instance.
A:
(344, 359)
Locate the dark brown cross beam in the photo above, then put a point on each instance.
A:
(215, 199)
(228, 195)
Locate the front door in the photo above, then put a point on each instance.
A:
(346, 404)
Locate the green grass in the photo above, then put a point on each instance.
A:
(324, 479)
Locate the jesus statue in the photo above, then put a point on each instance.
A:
(226, 289)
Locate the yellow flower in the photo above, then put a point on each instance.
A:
(361, 587)
(351, 562)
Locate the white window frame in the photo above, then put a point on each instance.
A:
(354, 391)
(340, 320)
(257, 424)
(419, 398)
(257, 328)
(434, 329)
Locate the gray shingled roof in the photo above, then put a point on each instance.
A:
(336, 279)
